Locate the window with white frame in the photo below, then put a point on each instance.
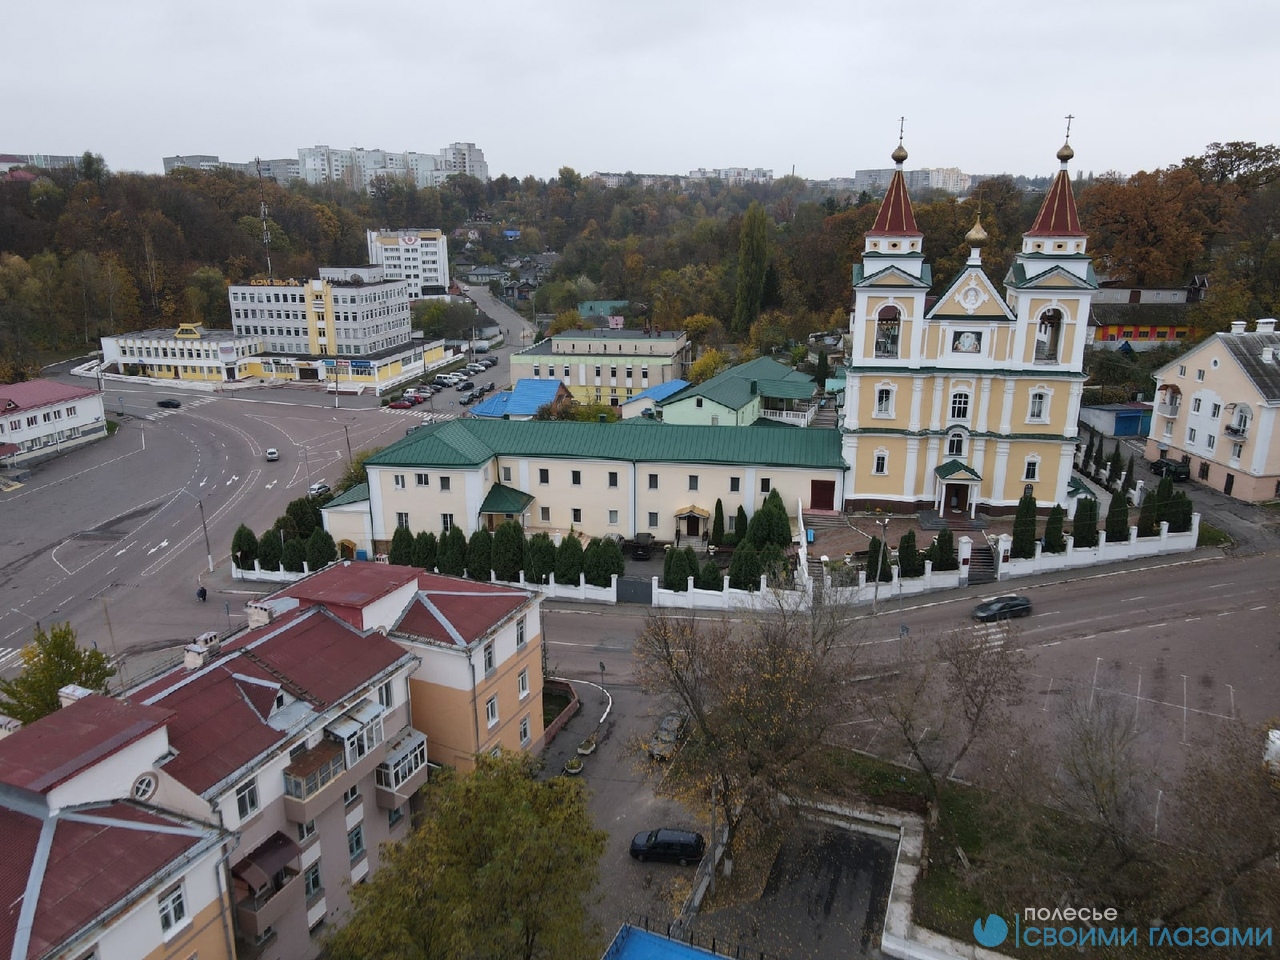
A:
(1210, 441)
(506, 474)
(544, 514)
(399, 479)
(524, 730)
(311, 884)
(522, 682)
(884, 401)
(355, 842)
(1038, 408)
(444, 485)
(520, 633)
(491, 711)
(1215, 411)
(1236, 450)
(653, 521)
(422, 479)
(351, 795)
(173, 910)
(1191, 434)
(881, 462)
(613, 518)
(306, 831)
(247, 797)
(1195, 405)
(693, 481)
(402, 520)
(960, 405)
(446, 522)
(955, 445)
(1032, 470)
(488, 659)
(386, 695)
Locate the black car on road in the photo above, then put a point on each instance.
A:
(675, 846)
(1176, 469)
(465, 385)
(169, 402)
(1002, 608)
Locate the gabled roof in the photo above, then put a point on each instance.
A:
(503, 499)
(660, 392)
(82, 866)
(1057, 216)
(472, 442)
(955, 303)
(955, 470)
(732, 388)
(1055, 276)
(1147, 314)
(524, 400)
(456, 612)
(357, 494)
(869, 273)
(895, 218)
(45, 753)
(1246, 349)
(29, 394)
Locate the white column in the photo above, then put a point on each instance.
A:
(917, 395)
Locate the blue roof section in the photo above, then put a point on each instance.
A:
(632, 943)
(525, 400)
(660, 391)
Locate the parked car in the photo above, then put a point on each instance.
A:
(488, 362)
(641, 546)
(401, 404)
(489, 387)
(169, 402)
(1002, 608)
(465, 385)
(665, 738)
(318, 489)
(476, 367)
(1171, 468)
(466, 401)
(675, 846)
(272, 454)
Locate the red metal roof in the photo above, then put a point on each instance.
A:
(352, 583)
(219, 720)
(90, 868)
(1057, 216)
(895, 218)
(457, 612)
(30, 394)
(43, 754)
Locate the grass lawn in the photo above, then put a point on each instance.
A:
(1211, 536)
(553, 704)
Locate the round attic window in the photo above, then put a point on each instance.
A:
(144, 787)
(1214, 364)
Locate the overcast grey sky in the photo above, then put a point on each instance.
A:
(655, 86)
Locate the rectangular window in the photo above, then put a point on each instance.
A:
(544, 475)
(693, 481)
(506, 474)
(1215, 411)
(173, 910)
(520, 637)
(402, 520)
(959, 406)
(597, 369)
(735, 484)
(1210, 441)
(311, 884)
(1203, 472)
(884, 402)
(613, 518)
(653, 521)
(445, 484)
(491, 711)
(1032, 470)
(386, 695)
(698, 403)
(613, 478)
(765, 485)
(1200, 375)
(882, 463)
(399, 479)
(537, 371)
(351, 794)
(395, 815)
(488, 659)
(522, 682)
(1191, 435)
(247, 797)
(1037, 407)
(613, 372)
(577, 514)
(1182, 370)
(544, 514)
(524, 730)
(306, 831)
(653, 481)
(446, 522)
(1195, 405)
(575, 477)
(1236, 450)
(422, 479)
(355, 842)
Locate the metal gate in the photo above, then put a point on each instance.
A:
(635, 590)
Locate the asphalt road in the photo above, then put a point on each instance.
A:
(109, 536)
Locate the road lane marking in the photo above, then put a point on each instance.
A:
(1190, 619)
(1163, 623)
(1226, 613)
(1262, 607)
(1131, 599)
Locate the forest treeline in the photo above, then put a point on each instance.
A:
(86, 251)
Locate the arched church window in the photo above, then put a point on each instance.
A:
(888, 327)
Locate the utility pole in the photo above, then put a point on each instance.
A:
(875, 590)
(712, 888)
(346, 433)
(203, 526)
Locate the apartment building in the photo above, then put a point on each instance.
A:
(357, 167)
(418, 257)
(41, 418)
(187, 352)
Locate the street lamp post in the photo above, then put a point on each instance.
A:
(205, 527)
(875, 590)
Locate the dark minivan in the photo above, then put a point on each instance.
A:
(641, 546)
(676, 846)
(1171, 468)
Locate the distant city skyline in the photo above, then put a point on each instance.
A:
(818, 86)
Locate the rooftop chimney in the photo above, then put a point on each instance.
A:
(1268, 355)
(1237, 327)
(1267, 326)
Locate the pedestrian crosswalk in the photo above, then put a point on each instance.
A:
(161, 414)
(10, 659)
(423, 416)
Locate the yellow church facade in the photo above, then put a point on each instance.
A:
(964, 403)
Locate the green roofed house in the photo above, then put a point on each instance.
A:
(761, 389)
(629, 477)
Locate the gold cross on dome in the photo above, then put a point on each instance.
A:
(1069, 119)
(901, 122)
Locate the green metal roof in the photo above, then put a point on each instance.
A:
(954, 469)
(861, 276)
(357, 494)
(732, 388)
(1017, 275)
(469, 443)
(503, 499)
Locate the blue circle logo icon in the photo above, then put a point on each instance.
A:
(992, 933)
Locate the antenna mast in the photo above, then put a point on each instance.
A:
(262, 205)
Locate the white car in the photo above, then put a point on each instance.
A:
(272, 454)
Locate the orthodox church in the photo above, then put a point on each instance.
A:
(969, 401)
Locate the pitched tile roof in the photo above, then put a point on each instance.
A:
(895, 218)
(98, 857)
(471, 442)
(1057, 216)
(30, 394)
(43, 754)
(457, 612)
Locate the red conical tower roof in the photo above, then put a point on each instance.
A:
(1057, 216)
(896, 218)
